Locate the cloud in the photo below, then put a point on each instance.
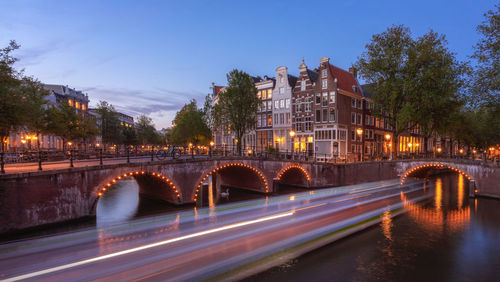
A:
(29, 56)
(158, 103)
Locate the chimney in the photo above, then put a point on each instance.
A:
(353, 71)
(324, 60)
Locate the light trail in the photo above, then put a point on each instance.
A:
(149, 246)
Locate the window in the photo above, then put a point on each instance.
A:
(353, 135)
(282, 79)
(287, 103)
(258, 94)
(359, 119)
(325, 115)
(269, 93)
(332, 115)
(263, 107)
(324, 84)
(318, 98)
(269, 120)
(282, 103)
(342, 134)
(282, 118)
(367, 120)
(318, 115)
(287, 118)
(258, 121)
(355, 89)
(332, 97)
(308, 105)
(372, 121)
(353, 102)
(298, 106)
(269, 105)
(276, 104)
(308, 124)
(275, 118)
(353, 118)
(282, 90)
(77, 105)
(325, 99)
(353, 148)
(367, 134)
(70, 103)
(323, 73)
(84, 107)
(359, 104)
(302, 85)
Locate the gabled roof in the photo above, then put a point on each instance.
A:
(218, 89)
(366, 90)
(292, 80)
(313, 76)
(345, 79)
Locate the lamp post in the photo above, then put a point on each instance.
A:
(389, 145)
(100, 153)
(359, 131)
(70, 154)
(212, 143)
(292, 134)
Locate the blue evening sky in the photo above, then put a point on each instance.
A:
(152, 57)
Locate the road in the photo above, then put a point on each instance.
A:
(228, 241)
(55, 165)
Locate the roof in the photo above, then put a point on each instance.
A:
(345, 79)
(313, 76)
(366, 90)
(292, 80)
(218, 89)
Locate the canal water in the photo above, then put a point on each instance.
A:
(448, 238)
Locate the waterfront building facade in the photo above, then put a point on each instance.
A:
(282, 109)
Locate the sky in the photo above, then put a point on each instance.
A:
(152, 57)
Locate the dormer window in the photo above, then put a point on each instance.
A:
(323, 73)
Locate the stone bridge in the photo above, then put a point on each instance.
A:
(32, 199)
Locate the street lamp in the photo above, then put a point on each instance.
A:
(292, 134)
(359, 131)
(70, 154)
(100, 153)
(389, 144)
(212, 143)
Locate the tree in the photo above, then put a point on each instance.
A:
(146, 132)
(36, 105)
(190, 126)
(485, 84)
(87, 129)
(109, 123)
(384, 65)
(236, 107)
(437, 84)
(63, 121)
(11, 110)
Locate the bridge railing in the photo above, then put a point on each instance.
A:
(56, 159)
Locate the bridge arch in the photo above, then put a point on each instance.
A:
(294, 175)
(427, 166)
(220, 169)
(107, 185)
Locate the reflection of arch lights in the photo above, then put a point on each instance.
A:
(261, 175)
(161, 177)
(294, 166)
(409, 172)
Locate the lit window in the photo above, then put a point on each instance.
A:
(77, 105)
(84, 107)
(258, 94)
(70, 103)
(269, 93)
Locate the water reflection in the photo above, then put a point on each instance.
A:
(447, 238)
(119, 204)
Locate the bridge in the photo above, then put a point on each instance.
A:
(36, 198)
